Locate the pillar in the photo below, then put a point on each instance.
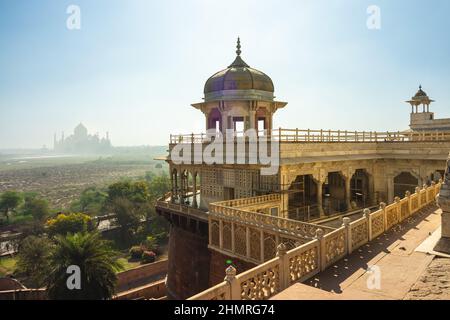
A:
(176, 185)
(348, 193)
(390, 188)
(252, 115)
(371, 188)
(194, 192)
(172, 184)
(319, 185)
(443, 244)
(224, 121)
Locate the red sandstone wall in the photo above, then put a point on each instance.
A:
(24, 294)
(154, 290)
(126, 279)
(189, 259)
(219, 264)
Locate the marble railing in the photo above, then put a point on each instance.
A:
(306, 260)
(251, 236)
(249, 201)
(184, 209)
(321, 136)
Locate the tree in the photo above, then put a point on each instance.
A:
(97, 263)
(33, 260)
(159, 185)
(9, 201)
(149, 175)
(91, 201)
(70, 223)
(128, 217)
(136, 192)
(36, 207)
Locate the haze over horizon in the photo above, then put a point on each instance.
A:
(134, 67)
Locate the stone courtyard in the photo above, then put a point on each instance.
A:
(405, 271)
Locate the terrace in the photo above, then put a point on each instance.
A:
(291, 265)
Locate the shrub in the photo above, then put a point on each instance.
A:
(149, 243)
(70, 223)
(148, 257)
(136, 252)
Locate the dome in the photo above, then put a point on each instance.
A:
(420, 93)
(239, 76)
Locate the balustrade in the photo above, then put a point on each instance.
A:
(308, 259)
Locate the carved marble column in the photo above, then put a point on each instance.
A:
(390, 188)
(194, 191)
(348, 175)
(319, 185)
(348, 192)
(444, 202)
(319, 178)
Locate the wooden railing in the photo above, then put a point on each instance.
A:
(305, 261)
(315, 136)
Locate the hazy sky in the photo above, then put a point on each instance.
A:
(135, 66)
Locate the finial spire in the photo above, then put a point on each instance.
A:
(238, 62)
(420, 87)
(238, 47)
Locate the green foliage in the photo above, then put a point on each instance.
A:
(91, 201)
(136, 252)
(70, 223)
(148, 257)
(159, 185)
(33, 260)
(36, 207)
(136, 192)
(9, 201)
(149, 175)
(150, 243)
(128, 217)
(97, 262)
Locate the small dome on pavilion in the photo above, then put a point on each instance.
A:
(239, 76)
(420, 93)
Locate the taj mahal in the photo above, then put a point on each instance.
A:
(333, 192)
(81, 142)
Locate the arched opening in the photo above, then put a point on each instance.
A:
(437, 175)
(333, 191)
(303, 198)
(403, 182)
(359, 189)
(214, 120)
(262, 121)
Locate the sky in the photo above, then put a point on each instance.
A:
(134, 67)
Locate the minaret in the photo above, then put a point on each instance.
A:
(55, 142)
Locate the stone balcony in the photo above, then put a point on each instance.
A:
(303, 261)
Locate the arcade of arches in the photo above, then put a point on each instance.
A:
(306, 196)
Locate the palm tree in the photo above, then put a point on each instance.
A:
(97, 262)
(32, 263)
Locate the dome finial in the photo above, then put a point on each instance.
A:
(420, 87)
(238, 47)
